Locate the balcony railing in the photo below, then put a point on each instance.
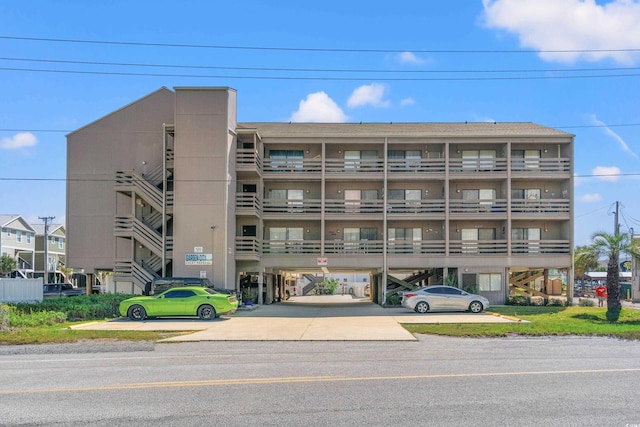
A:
(248, 157)
(292, 165)
(541, 165)
(254, 246)
(366, 166)
(424, 206)
(540, 247)
(350, 247)
(291, 206)
(477, 165)
(416, 165)
(540, 206)
(478, 247)
(417, 247)
(248, 202)
(341, 206)
(478, 206)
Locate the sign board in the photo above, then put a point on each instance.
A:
(203, 274)
(322, 261)
(625, 266)
(197, 249)
(198, 259)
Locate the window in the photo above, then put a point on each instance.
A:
(60, 243)
(352, 158)
(478, 159)
(354, 238)
(398, 236)
(526, 193)
(28, 237)
(8, 230)
(286, 159)
(491, 282)
(284, 239)
(412, 158)
(179, 294)
(450, 291)
(353, 197)
(294, 198)
(531, 237)
(472, 236)
(526, 159)
(19, 236)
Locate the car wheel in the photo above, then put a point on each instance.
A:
(476, 307)
(421, 307)
(136, 312)
(206, 312)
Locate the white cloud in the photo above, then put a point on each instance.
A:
(19, 140)
(591, 198)
(368, 95)
(606, 173)
(318, 108)
(410, 58)
(614, 135)
(407, 101)
(570, 25)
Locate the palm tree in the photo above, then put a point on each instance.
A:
(584, 260)
(611, 246)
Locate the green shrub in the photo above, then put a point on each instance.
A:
(518, 300)
(557, 302)
(83, 307)
(586, 302)
(394, 299)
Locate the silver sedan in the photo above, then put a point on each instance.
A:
(443, 298)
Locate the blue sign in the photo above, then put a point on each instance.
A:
(198, 259)
(625, 266)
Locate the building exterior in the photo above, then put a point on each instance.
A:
(172, 184)
(17, 241)
(55, 240)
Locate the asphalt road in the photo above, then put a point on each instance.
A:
(433, 381)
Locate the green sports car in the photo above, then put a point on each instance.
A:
(205, 303)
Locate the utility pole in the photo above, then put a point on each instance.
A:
(46, 220)
(616, 225)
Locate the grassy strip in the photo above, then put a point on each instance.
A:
(582, 321)
(59, 334)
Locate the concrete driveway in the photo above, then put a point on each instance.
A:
(309, 318)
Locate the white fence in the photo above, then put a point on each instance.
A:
(21, 290)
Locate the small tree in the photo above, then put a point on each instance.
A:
(7, 265)
(584, 260)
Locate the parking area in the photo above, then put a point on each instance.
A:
(317, 318)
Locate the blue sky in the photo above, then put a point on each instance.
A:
(401, 61)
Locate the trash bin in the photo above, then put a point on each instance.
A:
(625, 291)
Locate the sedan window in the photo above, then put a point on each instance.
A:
(451, 291)
(434, 291)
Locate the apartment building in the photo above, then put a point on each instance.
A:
(172, 184)
(17, 240)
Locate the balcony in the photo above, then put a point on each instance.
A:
(540, 206)
(416, 247)
(355, 207)
(356, 168)
(403, 167)
(292, 168)
(274, 207)
(474, 167)
(248, 160)
(478, 247)
(403, 208)
(540, 166)
(541, 247)
(351, 247)
(298, 247)
(465, 208)
(248, 204)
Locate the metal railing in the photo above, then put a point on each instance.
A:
(424, 206)
(561, 164)
(416, 165)
(477, 206)
(341, 206)
(478, 247)
(292, 165)
(292, 206)
(248, 157)
(540, 247)
(354, 166)
(477, 165)
(540, 206)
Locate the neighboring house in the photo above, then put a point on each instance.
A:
(56, 253)
(172, 184)
(17, 241)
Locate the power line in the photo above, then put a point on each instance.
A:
(316, 78)
(321, 70)
(219, 180)
(310, 49)
(160, 131)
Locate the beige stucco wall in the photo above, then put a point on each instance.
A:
(204, 176)
(123, 140)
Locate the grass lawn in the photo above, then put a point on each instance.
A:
(61, 333)
(584, 321)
